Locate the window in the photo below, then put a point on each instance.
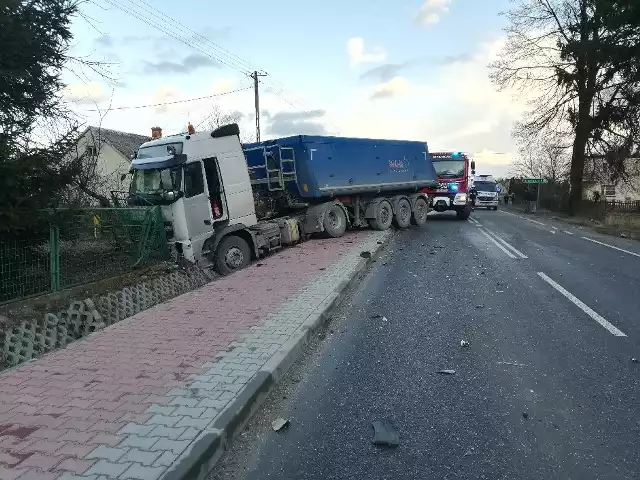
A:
(162, 150)
(92, 151)
(193, 181)
(609, 190)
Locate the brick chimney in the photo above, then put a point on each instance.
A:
(156, 132)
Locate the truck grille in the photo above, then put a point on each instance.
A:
(485, 199)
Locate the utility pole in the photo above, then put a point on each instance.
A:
(256, 75)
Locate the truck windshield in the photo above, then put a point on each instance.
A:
(449, 168)
(160, 150)
(156, 181)
(485, 186)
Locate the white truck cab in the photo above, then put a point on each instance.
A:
(202, 184)
(486, 192)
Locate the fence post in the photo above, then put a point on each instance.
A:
(54, 257)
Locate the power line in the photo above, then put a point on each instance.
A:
(232, 61)
(174, 102)
(235, 58)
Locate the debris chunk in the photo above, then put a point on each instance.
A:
(384, 434)
(446, 372)
(464, 343)
(365, 254)
(279, 423)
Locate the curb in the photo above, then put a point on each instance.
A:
(202, 455)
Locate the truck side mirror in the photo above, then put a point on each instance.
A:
(473, 167)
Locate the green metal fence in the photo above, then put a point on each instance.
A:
(81, 247)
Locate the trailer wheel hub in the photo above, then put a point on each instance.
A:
(234, 257)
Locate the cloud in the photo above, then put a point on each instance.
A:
(104, 41)
(387, 71)
(188, 65)
(85, 93)
(223, 85)
(395, 87)
(357, 54)
(430, 11)
(282, 124)
(165, 93)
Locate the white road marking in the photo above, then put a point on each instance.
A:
(509, 254)
(611, 246)
(572, 298)
(506, 244)
(524, 218)
(568, 232)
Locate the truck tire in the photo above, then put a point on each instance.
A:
(420, 211)
(384, 216)
(463, 213)
(402, 217)
(232, 254)
(335, 221)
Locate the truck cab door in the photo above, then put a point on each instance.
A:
(196, 201)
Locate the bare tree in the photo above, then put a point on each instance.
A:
(565, 56)
(219, 117)
(543, 157)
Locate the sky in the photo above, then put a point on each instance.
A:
(401, 69)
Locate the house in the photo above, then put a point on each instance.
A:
(597, 181)
(106, 155)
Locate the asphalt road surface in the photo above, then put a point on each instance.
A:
(548, 387)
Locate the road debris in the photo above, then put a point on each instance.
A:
(384, 434)
(365, 254)
(379, 317)
(279, 424)
(464, 343)
(470, 452)
(635, 360)
(479, 307)
(525, 415)
(513, 364)
(446, 372)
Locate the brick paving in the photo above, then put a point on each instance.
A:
(126, 402)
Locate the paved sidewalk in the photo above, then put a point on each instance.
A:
(151, 396)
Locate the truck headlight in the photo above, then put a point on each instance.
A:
(460, 197)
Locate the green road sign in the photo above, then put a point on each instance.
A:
(535, 180)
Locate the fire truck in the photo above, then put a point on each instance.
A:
(453, 192)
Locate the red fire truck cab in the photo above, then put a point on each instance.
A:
(453, 192)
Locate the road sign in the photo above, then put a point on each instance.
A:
(535, 180)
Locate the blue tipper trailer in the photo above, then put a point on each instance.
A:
(336, 182)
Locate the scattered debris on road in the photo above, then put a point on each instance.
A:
(479, 307)
(279, 424)
(379, 317)
(525, 415)
(470, 452)
(635, 360)
(384, 434)
(365, 254)
(513, 364)
(446, 372)
(464, 343)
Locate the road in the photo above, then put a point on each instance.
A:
(546, 389)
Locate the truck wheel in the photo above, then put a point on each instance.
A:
(335, 221)
(463, 213)
(420, 211)
(384, 216)
(232, 254)
(402, 217)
